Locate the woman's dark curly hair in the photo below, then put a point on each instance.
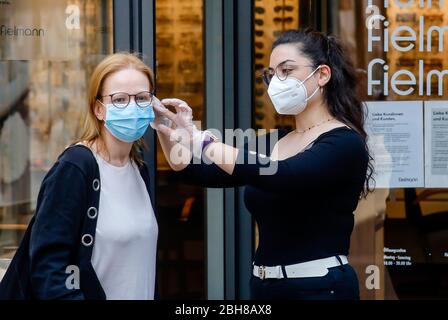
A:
(341, 92)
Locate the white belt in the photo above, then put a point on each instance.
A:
(310, 269)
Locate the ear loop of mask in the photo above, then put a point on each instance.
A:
(318, 87)
(102, 105)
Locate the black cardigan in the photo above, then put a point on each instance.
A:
(62, 231)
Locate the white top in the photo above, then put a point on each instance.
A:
(124, 252)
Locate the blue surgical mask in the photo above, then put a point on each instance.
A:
(128, 124)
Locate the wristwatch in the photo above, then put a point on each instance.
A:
(207, 139)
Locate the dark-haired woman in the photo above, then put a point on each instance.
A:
(305, 208)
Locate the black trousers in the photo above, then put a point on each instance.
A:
(341, 283)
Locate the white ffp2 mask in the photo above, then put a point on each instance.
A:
(290, 96)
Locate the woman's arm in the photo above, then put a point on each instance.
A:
(181, 158)
(335, 160)
(177, 155)
(180, 141)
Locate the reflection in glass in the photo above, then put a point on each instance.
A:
(180, 74)
(271, 18)
(43, 84)
(407, 239)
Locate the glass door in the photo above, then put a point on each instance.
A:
(402, 231)
(180, 74)
(271, 18)
(48, 50)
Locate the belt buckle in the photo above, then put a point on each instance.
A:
(262, 272)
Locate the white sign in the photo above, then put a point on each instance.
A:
(395, 131)
(436, 144)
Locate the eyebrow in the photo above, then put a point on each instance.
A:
(282, 63)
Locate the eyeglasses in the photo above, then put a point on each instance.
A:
(259, 10)
(436, 18)
(190, 19)
(190, 87)
(259, 116)
(164, 19)
(277, 33)
(259, 55)
(282, 71)
(434, 64)
(164, 66)
(259, 92)
(165, 87)
(121, 99)
(187, 66)
(165, 40)
(283, 8)
(259, 33)
(259, 67)
(283, 20)
(406, 17)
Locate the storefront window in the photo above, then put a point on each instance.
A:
(401, 230)
(414, 251)
(271, 18)
(48, 50)
(180, 74)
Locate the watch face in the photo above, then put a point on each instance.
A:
(211, 136)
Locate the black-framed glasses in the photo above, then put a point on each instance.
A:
(283, 8)
(122, 99)
(260, 10)
(259, 55)
(259, 67)
(259, 92)
(259, 45)
(277, 33)
(283, 19)
(259, 33)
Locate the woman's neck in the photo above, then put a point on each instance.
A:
(313, 115)
(114, 151)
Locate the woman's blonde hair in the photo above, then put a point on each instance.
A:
(92, 125)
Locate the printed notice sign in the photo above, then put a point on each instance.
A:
(436, 144)
(395, 131)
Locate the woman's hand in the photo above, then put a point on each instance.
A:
(176, 132)
(187, 139)
(160, 119)
(183, 130)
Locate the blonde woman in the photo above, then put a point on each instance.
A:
(94, 235)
